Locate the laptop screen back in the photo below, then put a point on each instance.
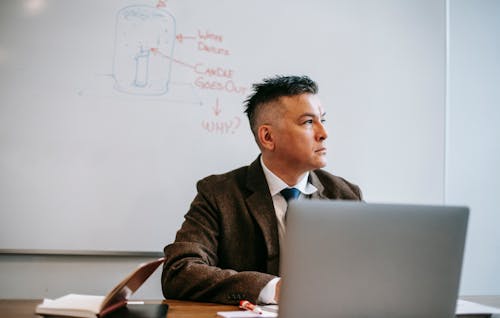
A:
(353, 259)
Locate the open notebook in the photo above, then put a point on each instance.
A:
(75, 305)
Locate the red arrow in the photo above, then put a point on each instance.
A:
(181, 37)
(216, 108)
(155, 50)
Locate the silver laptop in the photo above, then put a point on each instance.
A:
(353, 259)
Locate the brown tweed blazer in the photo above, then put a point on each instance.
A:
(227, 248)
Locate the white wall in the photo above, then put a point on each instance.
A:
(473, 136)
(49, 276)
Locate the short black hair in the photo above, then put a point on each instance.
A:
(271, 89)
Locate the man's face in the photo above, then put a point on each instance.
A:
(299, 134)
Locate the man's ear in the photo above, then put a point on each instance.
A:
(265, 136)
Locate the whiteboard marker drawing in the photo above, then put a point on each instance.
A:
(141, 68)
(141, 30)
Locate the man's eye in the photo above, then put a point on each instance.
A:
(323, 120)
(308, 122)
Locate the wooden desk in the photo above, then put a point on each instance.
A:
(177, 308)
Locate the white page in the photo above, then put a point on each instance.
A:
(465, 307)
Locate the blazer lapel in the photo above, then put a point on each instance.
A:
(314, 180)
(260, 205)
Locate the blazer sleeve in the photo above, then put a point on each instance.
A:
(191, 268)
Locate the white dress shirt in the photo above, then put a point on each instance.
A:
(275, 185)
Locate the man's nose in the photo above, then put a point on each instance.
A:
(321, 132)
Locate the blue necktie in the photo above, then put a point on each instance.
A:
(290, 194)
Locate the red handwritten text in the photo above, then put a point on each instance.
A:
(207, 35)
(228, 86)
(212, 49)
(222, 127)
(213, 71)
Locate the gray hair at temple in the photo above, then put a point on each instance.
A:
(271, 89)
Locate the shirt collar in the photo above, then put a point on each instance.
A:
(276, 184)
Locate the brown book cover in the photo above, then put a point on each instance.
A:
(75, 305)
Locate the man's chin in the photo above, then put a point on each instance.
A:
(320, 164)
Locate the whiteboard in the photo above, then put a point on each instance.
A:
(110, 111)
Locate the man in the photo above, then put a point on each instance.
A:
(228, 247)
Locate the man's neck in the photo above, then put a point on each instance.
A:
(289, 176)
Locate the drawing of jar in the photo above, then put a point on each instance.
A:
(144, 44)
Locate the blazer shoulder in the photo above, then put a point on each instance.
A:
(336, 187)
(225, 181)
